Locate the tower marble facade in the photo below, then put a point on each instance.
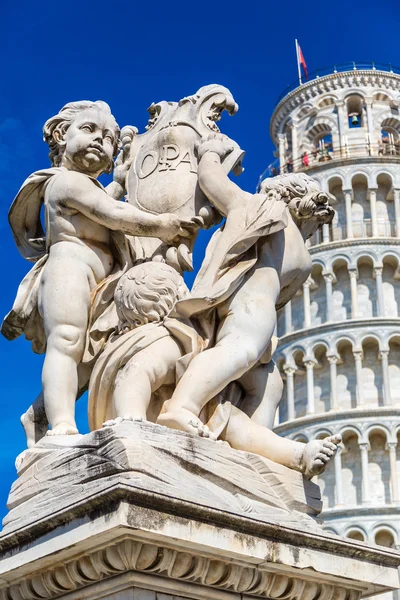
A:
(340, 337)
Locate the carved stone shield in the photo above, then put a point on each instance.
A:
(163, 175)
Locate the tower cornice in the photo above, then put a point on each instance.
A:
(330, 83)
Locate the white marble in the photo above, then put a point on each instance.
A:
(182, 489)
(150, 344)
(78, 251)
(135, 509)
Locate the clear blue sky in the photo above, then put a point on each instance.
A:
(131, 53)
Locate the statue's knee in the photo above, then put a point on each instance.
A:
(68, 340)
(244, 360)
(134, 370)
(240, 357)
(252, 355)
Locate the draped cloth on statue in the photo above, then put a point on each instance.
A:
(31, 241)
(232, 252)
(121, 348)
(34, 245)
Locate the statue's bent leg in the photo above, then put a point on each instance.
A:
(311, 459)
(263, 386)
(64, 305)
(243, 337)
(143, 375)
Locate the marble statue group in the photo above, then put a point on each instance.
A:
(106, 301)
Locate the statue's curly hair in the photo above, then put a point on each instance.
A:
(61, 122)
(303, 195)
(147, 293)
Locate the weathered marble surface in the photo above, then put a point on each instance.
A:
(108, 277)
(135, 505)
(139, 511)
(147, 459)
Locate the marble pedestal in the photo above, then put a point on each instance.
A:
(141, 512)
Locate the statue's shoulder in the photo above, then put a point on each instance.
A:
(64, 181)
(43, 175)
(24, 213)
(34, 186)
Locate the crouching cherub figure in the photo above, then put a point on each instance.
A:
(254, 264)
(135, 375)
(141, 361)
(79, 249)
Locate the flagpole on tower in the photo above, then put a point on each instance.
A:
(298, 61)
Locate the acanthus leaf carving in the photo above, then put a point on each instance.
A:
(128, 555)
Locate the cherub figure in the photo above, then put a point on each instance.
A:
(253, 265)
(135, 375)
(139, 365)
(77, 251)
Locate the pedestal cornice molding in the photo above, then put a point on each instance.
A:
(154, 559)
(231, 527)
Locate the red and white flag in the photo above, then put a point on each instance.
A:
(301, 61)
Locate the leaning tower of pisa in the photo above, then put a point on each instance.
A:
(340, 336)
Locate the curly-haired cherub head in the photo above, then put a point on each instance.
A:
(308, 204)
(147, 293)
(83, 136)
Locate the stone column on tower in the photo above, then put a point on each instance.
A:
(396, 200)
(349, 216)
(351, 327)
(282, 151)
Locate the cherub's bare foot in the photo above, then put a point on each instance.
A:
(118, 420)
(35, 429)
(184, 420)
(223, 443)
(63, 428)
(318, 453)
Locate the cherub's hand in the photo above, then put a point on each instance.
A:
(209, 216)
(172, 229)
(216, 142)
(124, 158)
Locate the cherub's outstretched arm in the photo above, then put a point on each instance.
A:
(214, 182)
(76, 191)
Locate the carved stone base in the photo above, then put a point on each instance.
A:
(140, 512)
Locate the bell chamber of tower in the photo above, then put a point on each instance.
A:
(339, 350)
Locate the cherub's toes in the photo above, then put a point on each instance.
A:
(223, 442)
(327, 451)
(331, 446)
(323, 457)
(204, 431)
(335, 439)
(113, 422)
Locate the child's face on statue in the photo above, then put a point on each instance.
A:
(90, 142)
